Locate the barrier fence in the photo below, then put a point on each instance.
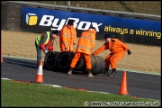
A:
(146, 7)
(118, 23)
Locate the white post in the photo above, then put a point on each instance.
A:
(69, 3)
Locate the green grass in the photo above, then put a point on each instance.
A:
(18, 94)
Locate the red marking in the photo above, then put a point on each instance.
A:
(28, 82)
(81, 89)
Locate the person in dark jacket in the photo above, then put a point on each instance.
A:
(44, 42)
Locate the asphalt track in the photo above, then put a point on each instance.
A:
(139, 84)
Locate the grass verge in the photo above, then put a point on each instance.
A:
(18, 94)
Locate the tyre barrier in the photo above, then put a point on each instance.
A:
(60, 61)
(80, 66)
(50, 62)
(98, 64)
(64, 60)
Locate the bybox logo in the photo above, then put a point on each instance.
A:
(49, 20)
(31, 19)
(57, 24)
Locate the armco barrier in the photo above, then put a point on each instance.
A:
(60, 61)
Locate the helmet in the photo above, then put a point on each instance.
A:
(92, 27)
(107, 36)
(55, 32)
(70, 22)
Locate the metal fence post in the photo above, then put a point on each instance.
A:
(69, 3)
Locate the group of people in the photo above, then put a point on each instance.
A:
(84, 47)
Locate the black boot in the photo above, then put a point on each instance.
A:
(70, 71)
(106, 72)
(113, 73)
(89, 73)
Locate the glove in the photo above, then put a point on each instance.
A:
(50, 48)
(129, 52)
(46, 51)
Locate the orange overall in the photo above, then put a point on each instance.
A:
(84, 48)
(68, 38)
(117, 49)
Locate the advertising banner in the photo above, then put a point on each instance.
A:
(128, 29)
